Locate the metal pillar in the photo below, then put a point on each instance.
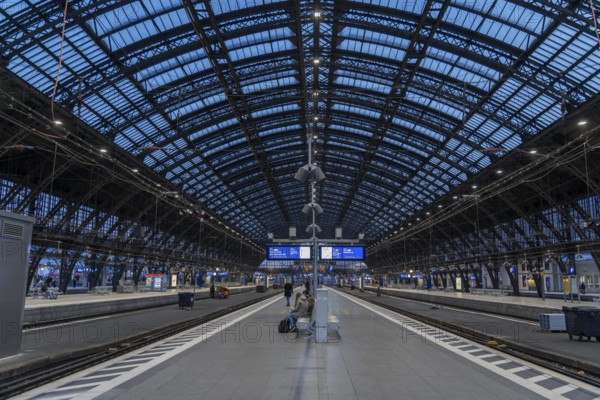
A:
(15, 240)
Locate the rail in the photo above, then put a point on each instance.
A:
(52, 370)
(590, 375)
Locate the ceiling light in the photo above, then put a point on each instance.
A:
(582, 123)
(474, 186)
(316, 61)
(57, 122)
(135, 170)
(499, 171)
(103, 150)
(317, 14)
(316, 118)
(532, 151)
(440, 206)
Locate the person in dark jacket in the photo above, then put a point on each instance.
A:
(212, 291)
(288, 288)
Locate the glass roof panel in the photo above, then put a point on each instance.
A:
(411, 126)
(280, 129)
(350, 129)
(429, 102)
(226, 6)
(475, 78)
(271, 84)
(275, 110)
(507, 94)
(372, 48)
(356, 110)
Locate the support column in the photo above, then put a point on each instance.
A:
(15, 240)
(321, 311)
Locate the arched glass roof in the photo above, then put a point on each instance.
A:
(220, 96)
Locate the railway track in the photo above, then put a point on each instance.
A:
(22, 381)
(573, 368)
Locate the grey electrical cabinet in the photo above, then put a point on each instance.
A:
(15, 239)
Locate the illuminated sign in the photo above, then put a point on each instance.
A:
(289, 252)
(345, 253)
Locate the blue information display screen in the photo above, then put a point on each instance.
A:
(347, 253)
(293, 252)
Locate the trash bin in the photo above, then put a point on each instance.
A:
(582, 321)
(186, 300)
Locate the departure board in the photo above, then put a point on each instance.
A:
(346, 253)
(293, 252)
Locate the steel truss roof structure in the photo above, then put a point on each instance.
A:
(407, 104)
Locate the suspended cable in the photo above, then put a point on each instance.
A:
(60, 57)
(595, 22)
(53, 171)
(79, 99)
(178, 110)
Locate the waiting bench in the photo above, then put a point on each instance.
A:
(307, 324)
(491, 292)
(50, 294)
(125, 289)
(100, 291)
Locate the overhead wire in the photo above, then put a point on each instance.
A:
(595, 21)
(82, 153)
(504, 184)
(60, 58)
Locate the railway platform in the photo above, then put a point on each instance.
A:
(381, 355)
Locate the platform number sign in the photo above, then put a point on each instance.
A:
(572, 271)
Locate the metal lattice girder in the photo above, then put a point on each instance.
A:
(410, 95)
(392, 104)
(225, 70)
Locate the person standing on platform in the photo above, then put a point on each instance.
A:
(288, 288)
(212, 290)
(307, 285)
(582, 288)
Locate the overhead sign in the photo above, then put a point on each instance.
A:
(293, 252)
(345, 253)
